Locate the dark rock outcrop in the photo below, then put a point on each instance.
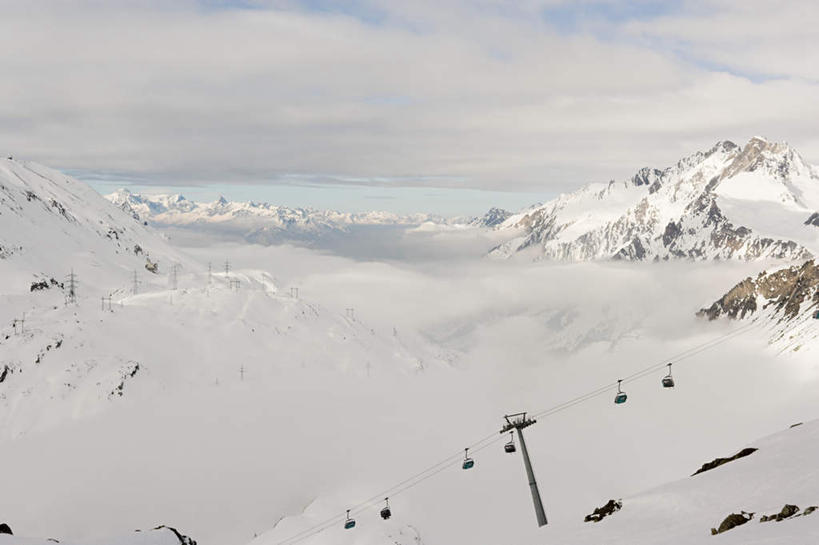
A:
(732, 521)
(786, 512)
(721, 461)
(813, 219)
(611, 507)
(183, 539)
(5, 529)
(785, 290)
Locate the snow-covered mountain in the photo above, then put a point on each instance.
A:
(51, 223)
(262, 218)
(266, 223)
(729, 202)
(785, 300)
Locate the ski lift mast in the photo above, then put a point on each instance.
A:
(517, 422)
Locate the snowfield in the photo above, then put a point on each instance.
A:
(247, 403)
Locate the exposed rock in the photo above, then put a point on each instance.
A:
(151, 266)
(809, 510)
(786, 512)
(813, 219)
(492, 218)
(732, 521)
(720, 461)
(4, 373)
(45, 284)
(5, 529)
(611, 507)
(183, 539)
(784, 290)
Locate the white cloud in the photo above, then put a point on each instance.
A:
(477, 94)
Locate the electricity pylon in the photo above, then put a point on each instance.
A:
(517, 422)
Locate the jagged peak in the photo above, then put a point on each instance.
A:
(778, 157)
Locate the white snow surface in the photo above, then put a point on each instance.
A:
(725, 203)
(244, 415)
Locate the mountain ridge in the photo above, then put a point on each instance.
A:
(706, 206)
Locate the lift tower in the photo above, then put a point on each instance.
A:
(517, 422)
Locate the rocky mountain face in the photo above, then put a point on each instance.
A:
(728, 202)
(493, 217)
(787, 294)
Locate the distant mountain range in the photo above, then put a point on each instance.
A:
(265, 222)
(729, 202)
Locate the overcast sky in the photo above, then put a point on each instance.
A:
(343, 99)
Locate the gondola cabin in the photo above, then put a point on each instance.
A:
(386, 513)
(509, 447)
(349, 524)
(469, 463)
(816, 316)
(668, 382)
(621, 396)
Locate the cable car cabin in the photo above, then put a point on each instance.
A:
(816, 316)
(621, 396)
(349, 524)
(668, 382)
(386, 513)
(468, 462)
(510, 446)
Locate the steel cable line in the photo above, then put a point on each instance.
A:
(488, 440)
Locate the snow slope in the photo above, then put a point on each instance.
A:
(782, 471)
(50, 223)
(725, 203)
(158, 536)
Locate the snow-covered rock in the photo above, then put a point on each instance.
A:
(725, 203)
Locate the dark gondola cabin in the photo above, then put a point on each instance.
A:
(668, 380)
(621, 396)
(349, 524)
(469, 463)
(510, 446)
(386, 513)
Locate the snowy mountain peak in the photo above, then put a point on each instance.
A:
(706, 206)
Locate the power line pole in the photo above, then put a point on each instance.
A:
(21, 322)
(135, 287)
(108, 301)
(174, 270)
(294, 293)
(227, 267)
(210, 274)
(72, 288)
(517, 422)
(242, 373)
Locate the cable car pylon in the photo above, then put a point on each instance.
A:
(517, 422)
